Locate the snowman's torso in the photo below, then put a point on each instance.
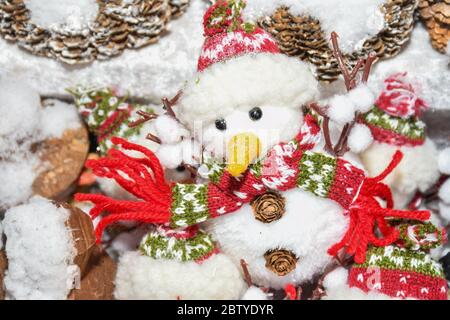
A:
(309, 226)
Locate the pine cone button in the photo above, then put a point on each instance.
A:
(280, 261)
(268, 207)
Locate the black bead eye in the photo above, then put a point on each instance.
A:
(255, 113)
(221, 124)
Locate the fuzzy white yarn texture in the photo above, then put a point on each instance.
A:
(254, 293)
(40, 251)
(153, 72)
(268, 79)
(353, 20)
(444, 161)
(417, 171)
(141, 277)
(309, 227)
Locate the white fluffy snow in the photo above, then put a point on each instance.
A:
(25, 122)
(360, 138)
(353, 20)
(40, 251)
(444, 161)
(153, 72)
(75, 14)
(57, 117)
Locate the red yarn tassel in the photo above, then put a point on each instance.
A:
(366, 214)
(142, 177)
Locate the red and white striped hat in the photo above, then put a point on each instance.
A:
(241, 66)
(227, 36)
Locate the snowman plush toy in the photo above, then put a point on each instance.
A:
(265, 193)
(395, 125)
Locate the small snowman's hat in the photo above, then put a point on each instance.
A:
(240, 65)
(395, 119)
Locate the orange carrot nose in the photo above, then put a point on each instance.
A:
(242, 150)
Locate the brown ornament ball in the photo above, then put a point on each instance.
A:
(65, 159)
(280, 261)
(98, 283)
(268, 207)
(80, 224)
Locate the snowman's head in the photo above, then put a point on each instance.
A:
(246, 97)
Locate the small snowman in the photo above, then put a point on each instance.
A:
(395, 125)
(267, 194)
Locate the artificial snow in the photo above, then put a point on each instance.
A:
(23, 124)
(16, 95)
(54, 14)
(153, 72)
(444, 161)
(57, 117)
(17, 180)
(360, 138)
(40, 251)
(353, 20)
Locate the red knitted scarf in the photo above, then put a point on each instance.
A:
(287, 166)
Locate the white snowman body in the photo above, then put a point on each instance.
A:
(418, 170)
(308, 228)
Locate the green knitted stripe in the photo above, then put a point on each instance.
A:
(256, 168)
(189, 204)
(158, 246)
(317, 173)
(428, 234)
(215, 171)
(395, 258)
(104, 103)
(411, 128)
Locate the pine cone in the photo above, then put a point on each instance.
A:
(436, 15)
(268, 207)
(280, 261)
(178, 7)
(119, 25)
(303, 37)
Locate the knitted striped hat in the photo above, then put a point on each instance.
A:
(395, 116)
(240, 66)
(400, 273)
(227, 36)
